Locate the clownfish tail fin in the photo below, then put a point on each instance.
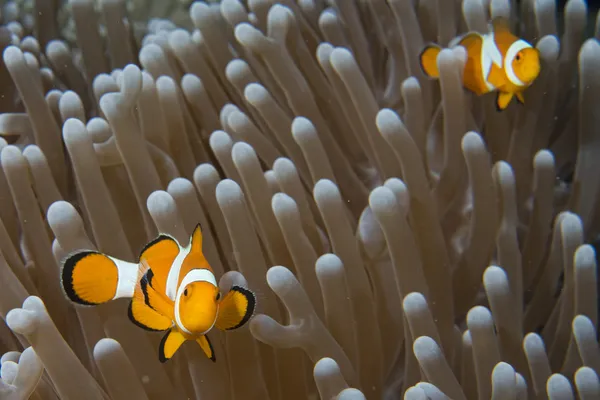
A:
(90, 278)
(428, 60)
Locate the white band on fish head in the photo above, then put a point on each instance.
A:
(173, 276)
(512, 52)
(195, 275)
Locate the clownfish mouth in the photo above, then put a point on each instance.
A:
(203, 316)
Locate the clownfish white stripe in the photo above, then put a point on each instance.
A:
(174, 271)
(512, 52)
(127, 278)
(490, 54)
(195, 275)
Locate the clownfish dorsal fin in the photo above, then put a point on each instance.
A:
(159, 255)
(194, 259)
(162, 244)
(503, 36)
(500, 24)
(471, 41)
(235, 308)
(196, 240)
(169, 344)
(206, 347)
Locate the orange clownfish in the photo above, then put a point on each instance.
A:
(496, 61)
(172, 288)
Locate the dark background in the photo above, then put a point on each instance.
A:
(595, 4)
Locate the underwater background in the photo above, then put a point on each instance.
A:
(405, 239)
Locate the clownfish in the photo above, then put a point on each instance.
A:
(172, 288)
(496, 61)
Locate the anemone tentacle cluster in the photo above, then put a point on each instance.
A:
(404, 238)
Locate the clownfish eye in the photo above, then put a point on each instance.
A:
(185, 292)
(518, 57)
(218, 297)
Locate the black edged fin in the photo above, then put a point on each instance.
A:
(432, 71)
(146, 318)
(161, 348)
(212, 349)
(235, 309)
(251, 305)
(155, 300)
(497, 102)
(207, 347)
(196, 239)
(503, 105)
(67, 269)
(197, 228)
(161, 237)
(469, 40)
(169, 345)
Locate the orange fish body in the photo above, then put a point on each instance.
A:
(172, 288)
(497, 61)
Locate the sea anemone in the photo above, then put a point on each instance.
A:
(405, 238)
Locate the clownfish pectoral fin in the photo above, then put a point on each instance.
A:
(155, 299)
(235, 309)
(520, 97)
(428, 60)
(169, 344)
(91, 278)
(497, 77)
(503, 100)
(206, 347)
(146, 318)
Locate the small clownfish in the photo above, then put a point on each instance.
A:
(496, 61)
(172, 288)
